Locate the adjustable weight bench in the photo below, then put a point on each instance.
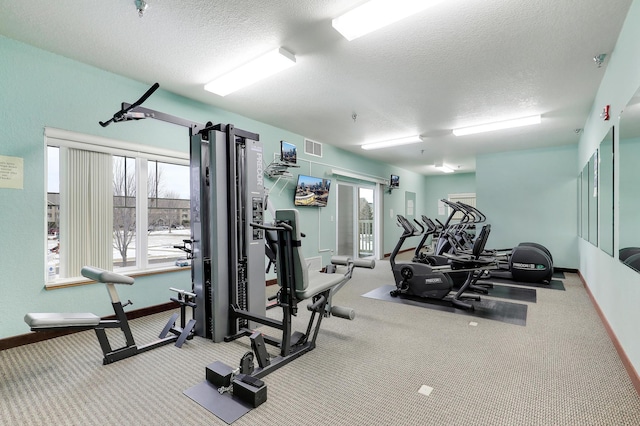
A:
(88, 321)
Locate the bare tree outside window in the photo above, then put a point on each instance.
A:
(365, 211)
(124, 206)
(168, 211)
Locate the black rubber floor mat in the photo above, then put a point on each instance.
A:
(224, 406)
(553, 284)
(512, 313)
(511, 292)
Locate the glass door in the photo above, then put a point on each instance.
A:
(366, 238)
(345, 238)
(356, 220)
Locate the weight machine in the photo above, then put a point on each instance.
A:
(227, 195)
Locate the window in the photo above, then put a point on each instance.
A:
(168, 211)
(97, 216)
(124, 211)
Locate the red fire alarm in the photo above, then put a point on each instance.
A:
(605, 113)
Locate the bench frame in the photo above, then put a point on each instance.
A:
(170, 334)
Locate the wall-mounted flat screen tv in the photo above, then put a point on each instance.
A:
(288, 152)
(312, 191)
(394, 182)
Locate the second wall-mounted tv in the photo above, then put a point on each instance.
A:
(312, 191)
(394, 182)
(288, 152)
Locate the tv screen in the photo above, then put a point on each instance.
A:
(288, 152)
(312, 191)
(394, 182)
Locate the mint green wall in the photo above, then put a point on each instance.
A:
(40, 89)
(615, 287)
(439, 187)
(531, 196)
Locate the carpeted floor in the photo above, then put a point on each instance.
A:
(561, 369)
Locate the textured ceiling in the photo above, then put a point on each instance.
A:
(456, 64)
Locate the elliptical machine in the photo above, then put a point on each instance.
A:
(434, 282)
(429, 257)
(528, 262)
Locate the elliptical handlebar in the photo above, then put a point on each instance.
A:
(476, 212)
(409, 229)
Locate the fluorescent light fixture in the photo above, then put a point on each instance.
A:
(247, 74)
(393, 142)
(519, 122)
(376, 14)
(443, 168)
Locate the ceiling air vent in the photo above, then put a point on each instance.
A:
(312, 148)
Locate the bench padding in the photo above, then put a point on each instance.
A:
(61, 320)
(103, 276)
(319, 282)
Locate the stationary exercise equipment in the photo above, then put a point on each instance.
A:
(297, 283)
(227, 244)
(429, 229)
(86, 321)
(528, 262)
(227, 193)
(425, 281)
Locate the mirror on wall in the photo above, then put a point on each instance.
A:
(584, 208)
(629, 176)
(579, 209)
(605, 194)
(592, 182)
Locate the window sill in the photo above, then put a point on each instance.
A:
(78, 281)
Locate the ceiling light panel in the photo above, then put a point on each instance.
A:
(251, 72)
(393, 142)
(508, 124)
(444, 169)
(376, 14)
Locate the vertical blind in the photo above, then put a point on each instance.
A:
(86, 195)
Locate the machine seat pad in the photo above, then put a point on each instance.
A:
(104, 276)
(61, 320)
(319, 282)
